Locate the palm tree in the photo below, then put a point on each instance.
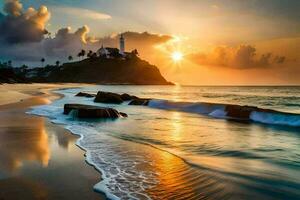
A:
(79, 54)
(9, 63)
(42, 61)
(90, 53)
(82, 53)
(70, 58)
(57, 63)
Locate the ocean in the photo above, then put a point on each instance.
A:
(185, 145)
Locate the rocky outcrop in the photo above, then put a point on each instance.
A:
(108, 97)
(127, 97)
(113, 98)
(87, 111)
(139, 102)
(239, 112)
(244, 112)
(84, 94)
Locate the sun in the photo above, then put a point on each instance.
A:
(177, 56)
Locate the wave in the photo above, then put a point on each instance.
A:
(230, 111)
(116, 160)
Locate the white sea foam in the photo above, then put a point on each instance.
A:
(116, 159)
(192, 107)
(275, 118)
(218, 111)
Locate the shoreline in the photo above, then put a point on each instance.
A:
(41, 150)
(14, 93)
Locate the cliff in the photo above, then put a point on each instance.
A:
(132, 71)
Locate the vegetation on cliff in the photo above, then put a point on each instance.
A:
(100, 71)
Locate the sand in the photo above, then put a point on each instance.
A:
(39, 160)
(12, 93)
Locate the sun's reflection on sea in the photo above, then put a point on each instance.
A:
(176, 126)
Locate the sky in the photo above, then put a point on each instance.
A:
(222, 42)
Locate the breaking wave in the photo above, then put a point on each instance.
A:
(228, 111)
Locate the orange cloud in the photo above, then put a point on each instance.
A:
(242, 56)
(22, 27)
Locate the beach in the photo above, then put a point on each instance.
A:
(182, 145)
(38, 159)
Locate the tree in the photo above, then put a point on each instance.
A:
(42, 61)
(70, 58)
(82, 53)
(79, 54)
(9, 63)
(90, 53)
(23, 68)
(57, 63)
(135, 52)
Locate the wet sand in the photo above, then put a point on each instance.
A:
(39, 160)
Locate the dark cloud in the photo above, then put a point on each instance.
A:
(66, 42)
(18, 26)
(22, 37)
(243, 56)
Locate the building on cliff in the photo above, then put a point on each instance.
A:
(108, 52)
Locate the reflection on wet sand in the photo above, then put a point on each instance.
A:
(65, 140)
(33, 189)
(36, 157)
(24, 140)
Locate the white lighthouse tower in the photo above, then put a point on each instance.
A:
(122, 45)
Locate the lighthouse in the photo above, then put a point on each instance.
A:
(122, 44)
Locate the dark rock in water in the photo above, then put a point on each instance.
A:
(114, 98)
(87, 111)
(239, 112)
(140, 102)
(127, 97)
(108, 97)
(84, 94)
(244, 112)
(123, 114)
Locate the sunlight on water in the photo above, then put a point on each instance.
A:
(187, 152)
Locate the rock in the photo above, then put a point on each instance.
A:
(108, 97)
(123, 114)
(239, 112)
(87, 111)
(139, 102)
(84, 94)
(127, 97)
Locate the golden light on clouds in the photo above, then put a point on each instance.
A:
(173, 51)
